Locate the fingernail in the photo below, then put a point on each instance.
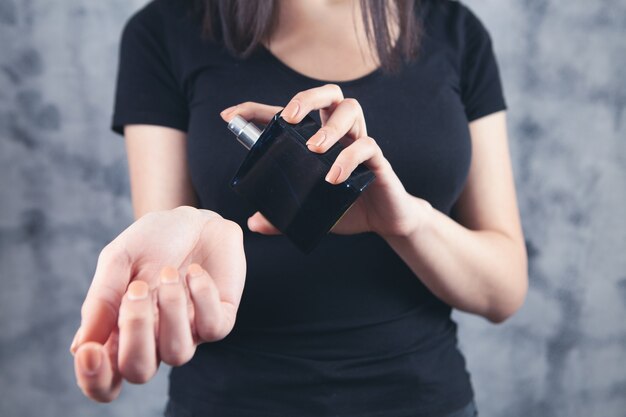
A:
(333, 174)
(322, 135)
(75, 341)
(252, 224)
(169, 275)
(294, 112)
(195, 270)
(138, 290)
(228, 110)
(90, 360)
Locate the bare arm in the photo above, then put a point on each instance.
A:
(171, 280)
(479, 265)
(159, 175)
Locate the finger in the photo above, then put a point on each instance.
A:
(213, 318)
(251, 111)
(225, 262)
(313, 99)
(258, 223)
(95, 373)
(100, 310)
(176, 345)
(364, 150)
(346, 119)
(137, 351)
(74, 344)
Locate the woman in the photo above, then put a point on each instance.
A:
(361, 326)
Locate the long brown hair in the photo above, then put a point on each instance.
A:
(245, 24)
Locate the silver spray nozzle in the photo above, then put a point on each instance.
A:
(247, 133)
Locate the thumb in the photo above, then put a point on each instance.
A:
(101, 307)
(258, 223)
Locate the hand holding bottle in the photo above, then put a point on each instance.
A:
(384, 207)
(170, 281)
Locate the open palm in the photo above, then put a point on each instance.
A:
(171, 280)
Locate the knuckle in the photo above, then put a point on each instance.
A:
(210, 331)
(352, 104)
(346, 157)
(373, 148)
(130, 320)
(151, 216)
(114, 254)
(233, 228)
(185, 209)
(370, 142)
(200, 288)
(231, 231)
(299, 97)
(335, 88)
(136, 317)
(176, 354)
(208, 214)
(108, 253)
(330, 129)
(136, 374)
(175, 359)
(104, 296)
(171, 297)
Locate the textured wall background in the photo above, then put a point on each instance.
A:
(64, 195)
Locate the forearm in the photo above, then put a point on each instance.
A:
(159, 173)
(481, 272)
(144, 203)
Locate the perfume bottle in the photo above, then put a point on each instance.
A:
(281, 178)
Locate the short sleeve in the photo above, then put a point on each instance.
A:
(481, 87)
(147, 90)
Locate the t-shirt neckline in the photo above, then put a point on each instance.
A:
(302, 77)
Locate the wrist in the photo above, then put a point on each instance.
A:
(420, 218)
(425, 216)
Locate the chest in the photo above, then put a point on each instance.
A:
(416, 117)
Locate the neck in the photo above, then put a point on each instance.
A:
(324, 39)
(327, 23)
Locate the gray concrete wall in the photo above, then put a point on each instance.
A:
(64, 194)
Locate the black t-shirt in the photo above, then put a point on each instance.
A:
(347, 330)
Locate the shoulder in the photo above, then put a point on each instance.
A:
(170, 29)
(160, 12)
(157, 20)
(453, 21)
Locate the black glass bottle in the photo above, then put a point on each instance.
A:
(281, 178)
